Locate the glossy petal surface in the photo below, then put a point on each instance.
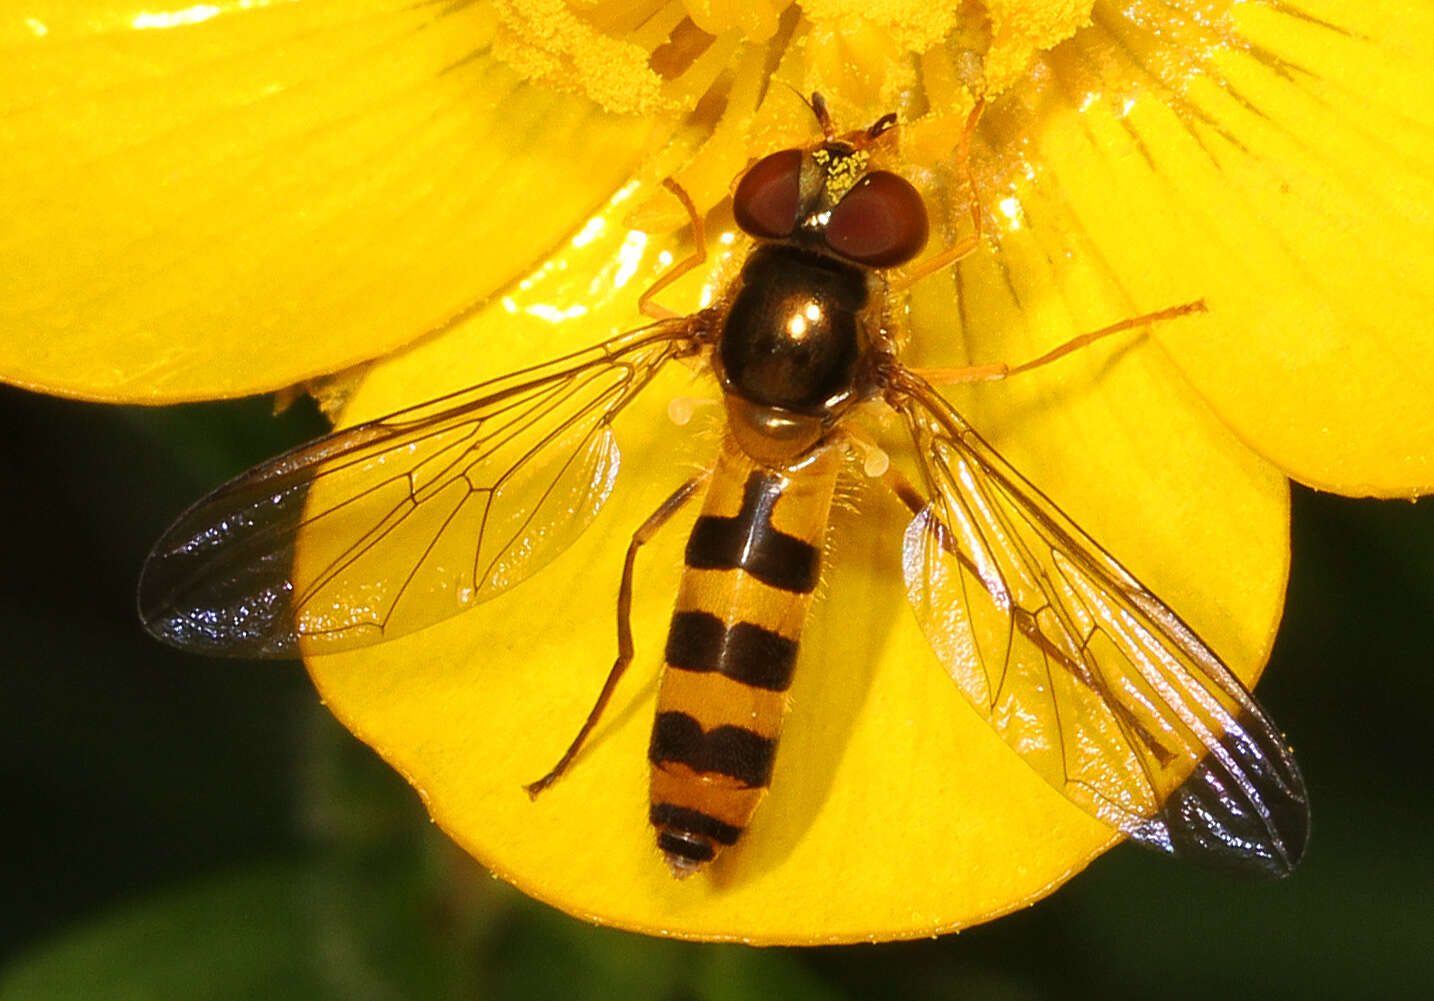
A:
(1284, 183)
(234, 198)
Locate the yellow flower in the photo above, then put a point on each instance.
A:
(232, 198)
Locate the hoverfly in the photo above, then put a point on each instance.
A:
(1081, 669)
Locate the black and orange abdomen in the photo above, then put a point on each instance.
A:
(752, 565)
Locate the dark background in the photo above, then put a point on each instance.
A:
(177, 827)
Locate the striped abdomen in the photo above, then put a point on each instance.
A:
(753, 561)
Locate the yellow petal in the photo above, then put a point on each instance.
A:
(894, 811)
(1283, 184)
(236, 197)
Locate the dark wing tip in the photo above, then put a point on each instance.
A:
(248, 616)
(1244, 809)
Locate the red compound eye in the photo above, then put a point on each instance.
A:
(765, 203)
(881, 222)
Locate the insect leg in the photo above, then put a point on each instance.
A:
(908, 494)
(961, 248)
(1000, 370)
(644, 534)
(645, 304)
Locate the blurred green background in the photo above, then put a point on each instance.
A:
(180, 828)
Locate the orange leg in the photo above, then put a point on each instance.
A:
(644, 302)
(1000, 370)
(625, 648)
(964, 247)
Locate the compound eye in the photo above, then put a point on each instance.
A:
(880, 223)
(766, 201)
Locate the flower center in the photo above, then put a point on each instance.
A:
(642, 58)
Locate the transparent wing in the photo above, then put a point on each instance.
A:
(387, 527)
(1086, 674)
